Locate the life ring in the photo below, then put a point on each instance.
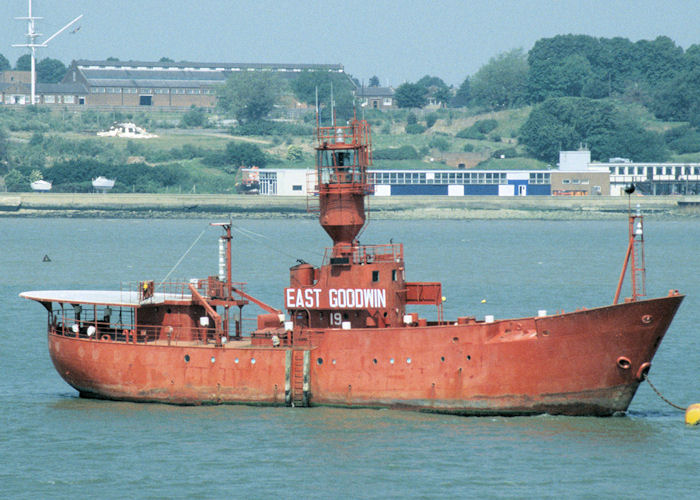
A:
(105, 337)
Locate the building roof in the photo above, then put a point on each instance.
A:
(180, 74)
(44, 88)
(375, 92)
(202, 66)
(60, 88)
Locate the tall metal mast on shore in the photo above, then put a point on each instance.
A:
(32, 43)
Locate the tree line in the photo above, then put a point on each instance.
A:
(48, 70)
(656, 73)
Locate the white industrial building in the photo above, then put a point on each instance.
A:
(649, 178)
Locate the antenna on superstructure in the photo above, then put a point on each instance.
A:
(318, 114)
(31, 42)
(332, 107)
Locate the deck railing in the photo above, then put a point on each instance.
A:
(365, 254)
(100, 331)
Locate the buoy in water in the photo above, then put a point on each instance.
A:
(692, 414)
(46, 258)
(483, 301)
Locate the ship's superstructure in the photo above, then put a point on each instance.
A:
(357, 286)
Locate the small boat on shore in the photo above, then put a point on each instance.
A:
(347, 334)
(41, 186)
(103, 184)
(126, 130)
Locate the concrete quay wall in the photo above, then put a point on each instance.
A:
(398, 207)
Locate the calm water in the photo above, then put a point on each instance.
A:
(53, 444)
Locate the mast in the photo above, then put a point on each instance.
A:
(31, 43)
(634, 254)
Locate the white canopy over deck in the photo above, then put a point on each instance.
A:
(120, 298)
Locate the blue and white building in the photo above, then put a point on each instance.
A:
(461, 182)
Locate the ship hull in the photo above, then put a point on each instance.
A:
(588, 362)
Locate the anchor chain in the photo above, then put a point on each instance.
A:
(646, 377)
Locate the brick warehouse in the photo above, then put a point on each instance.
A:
(175, 85)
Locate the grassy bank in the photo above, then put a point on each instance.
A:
(398, 207)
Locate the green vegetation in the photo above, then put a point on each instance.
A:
(568, 122)
(639, 100)
(312, 87)
(249, 96)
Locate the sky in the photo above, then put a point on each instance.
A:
(397, 41)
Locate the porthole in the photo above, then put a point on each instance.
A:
(408, 361)
(442, 359)
(187, 358)
(319, 361)
(469, 357)
(252, 361)
(391, 361)
(235, 360)
(213, 359)
(374, 361)
(333, 361)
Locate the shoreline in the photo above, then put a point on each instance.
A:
(146, 205)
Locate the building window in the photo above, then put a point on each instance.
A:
(566, 181)
(68, 99)
(296, 187)
(387, 101)
(538, 178)
(49, 99)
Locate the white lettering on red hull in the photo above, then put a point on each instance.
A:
(335, 298)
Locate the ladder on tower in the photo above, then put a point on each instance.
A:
(313, 204)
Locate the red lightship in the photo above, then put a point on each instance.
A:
(347, 338)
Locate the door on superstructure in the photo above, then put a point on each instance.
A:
(522, 190)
